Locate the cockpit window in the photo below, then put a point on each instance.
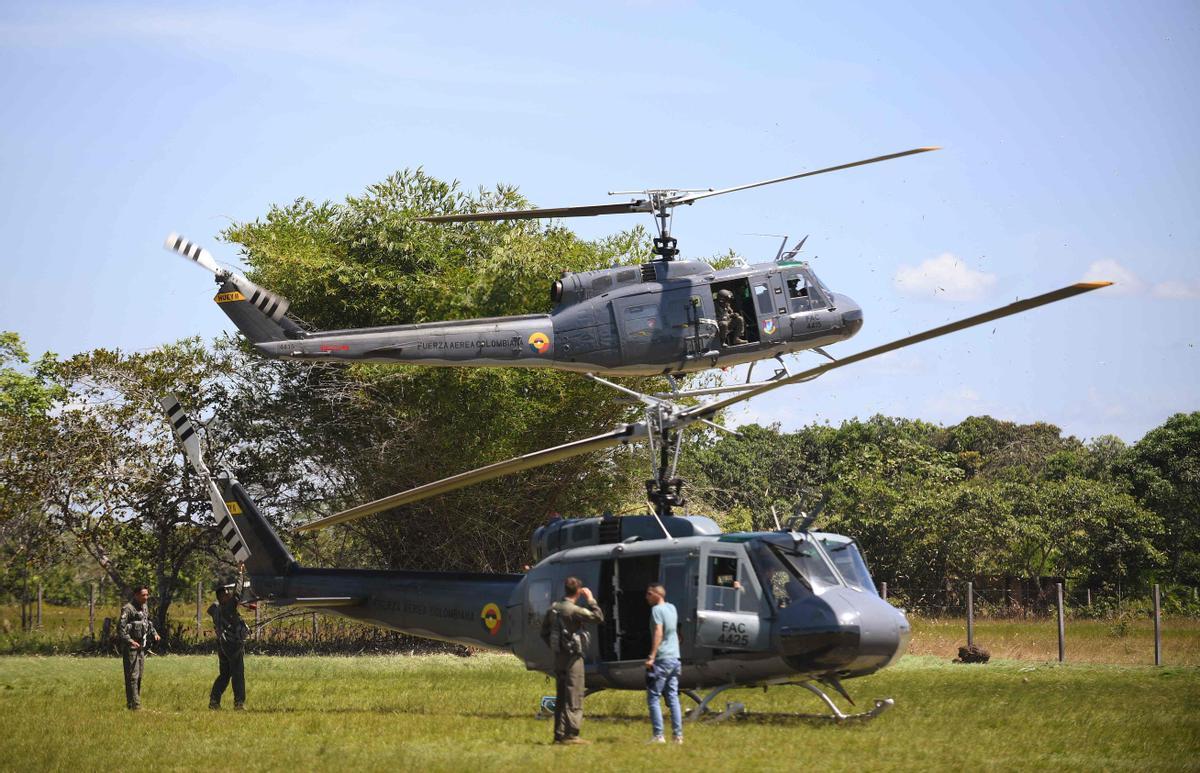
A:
(849, 562)
(818, 290)
(797, 288)
(778, 578)
(806, 559)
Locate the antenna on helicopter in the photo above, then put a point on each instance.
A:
(801, 521)
(793, 252)
(659, 202)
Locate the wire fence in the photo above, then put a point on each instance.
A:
(1033, 600)
(951, 611)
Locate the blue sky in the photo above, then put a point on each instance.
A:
(1070, 136)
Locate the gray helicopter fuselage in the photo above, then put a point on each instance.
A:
(739, 622)
(751, 611)
(659, 318)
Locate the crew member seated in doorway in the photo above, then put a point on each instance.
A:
(730, 323)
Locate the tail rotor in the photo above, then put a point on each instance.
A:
(242, 289)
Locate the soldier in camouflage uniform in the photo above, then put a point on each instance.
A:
(135, 630)
(231, 633)
(563, 629)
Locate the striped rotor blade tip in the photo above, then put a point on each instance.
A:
(274, 306)
(229, 529)
(183, 428)
(192, 251)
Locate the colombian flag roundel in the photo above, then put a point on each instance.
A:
(540, 342)
(491, 618)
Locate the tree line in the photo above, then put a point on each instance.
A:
(93, 486)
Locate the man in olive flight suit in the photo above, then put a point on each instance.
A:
(231, 633)
(732, 325)
(563, 629)
(135, 630)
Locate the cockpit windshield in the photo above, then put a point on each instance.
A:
(849, 562)
(791, 573)
(806, 559)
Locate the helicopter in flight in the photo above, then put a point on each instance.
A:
(668, 316)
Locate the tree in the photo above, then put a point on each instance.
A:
(28, 541)
(378, 429)
(1163, 470)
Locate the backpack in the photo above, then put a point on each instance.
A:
(562, 639)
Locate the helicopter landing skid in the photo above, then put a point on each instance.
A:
(837, 715)
(734, 709)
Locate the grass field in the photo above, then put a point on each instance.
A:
(477, 713)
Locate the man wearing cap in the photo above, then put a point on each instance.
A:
(231, 632)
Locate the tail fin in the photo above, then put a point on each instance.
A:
(249, 536)
(258, 313)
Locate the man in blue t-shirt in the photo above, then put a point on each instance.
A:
(662, 667)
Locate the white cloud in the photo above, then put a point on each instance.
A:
(1177, 289)
(944, 277)
(1125, 282)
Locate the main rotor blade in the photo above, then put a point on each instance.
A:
(688, 199)
(623, 208)
(707, 410)
(626, 434)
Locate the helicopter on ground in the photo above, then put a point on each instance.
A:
(668, 316)
(788, 607)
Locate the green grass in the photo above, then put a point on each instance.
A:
(477, 713)
(1124, 641)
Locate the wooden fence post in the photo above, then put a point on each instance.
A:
(92, 611)
(1062, 651)
(883, 587)
(199, 602)
(1157, 627)
(970, 614)
(314, 627)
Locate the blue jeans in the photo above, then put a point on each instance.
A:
(664, 680)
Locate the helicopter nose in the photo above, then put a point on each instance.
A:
(883, 635)
(845, 631)
(852, 315)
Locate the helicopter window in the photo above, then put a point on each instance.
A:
(539, 601)
(850, 563)
(723, 585)
(763, 296)
(780, 581)
(722, 572)
(821, 288)
(808, 561)
(797, 288)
